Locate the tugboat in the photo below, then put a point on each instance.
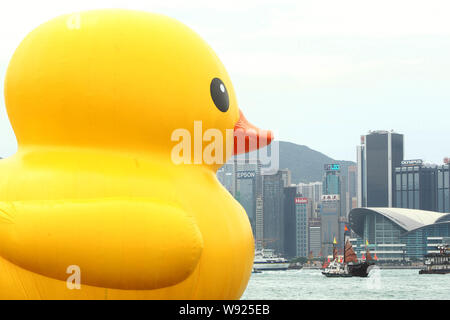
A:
(350, 267)
(335, 269)
(437, 263)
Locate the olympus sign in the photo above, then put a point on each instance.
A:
(417, 162)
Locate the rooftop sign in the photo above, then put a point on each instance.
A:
(332, 167)
(330, 197)
(245, 174)
(301, 200)
(408, 163)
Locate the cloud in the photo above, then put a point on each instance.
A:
(361, 18)
(413, 61)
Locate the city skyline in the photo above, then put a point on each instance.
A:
(306, 214)
(308, 63)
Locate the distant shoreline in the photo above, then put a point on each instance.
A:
(379, 266)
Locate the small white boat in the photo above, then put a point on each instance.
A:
(266, 260)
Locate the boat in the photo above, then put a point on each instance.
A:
(437, 263)
(335, 269)
(357, 268)
(350, 266)
(266, 260)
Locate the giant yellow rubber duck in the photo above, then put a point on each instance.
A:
(93, 205)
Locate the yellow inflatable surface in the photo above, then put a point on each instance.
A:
(93, 204)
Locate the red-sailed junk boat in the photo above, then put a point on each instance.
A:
(350, 267)
(358, 268)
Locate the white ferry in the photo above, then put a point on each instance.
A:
(266, 260)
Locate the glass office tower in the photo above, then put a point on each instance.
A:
(422, 186)
(331, 179)
(273, 190)
(290, 231)
(301, 222)
(379, 153)
(443, 190)
(415, 186)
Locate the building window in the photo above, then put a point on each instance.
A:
(410, 181)
(446, 180)
(416, 200)
(404, 180)
(416, 181)
(410, 199)
(447, 200)
(404, 199)
(399, 199)
(440, 179)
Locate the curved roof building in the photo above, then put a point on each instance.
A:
(398, 233)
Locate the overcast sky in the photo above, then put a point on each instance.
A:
(319, 73)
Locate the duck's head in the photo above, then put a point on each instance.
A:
(119, 79)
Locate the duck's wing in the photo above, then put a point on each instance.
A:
(113, 243)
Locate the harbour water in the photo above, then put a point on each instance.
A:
(304, 284)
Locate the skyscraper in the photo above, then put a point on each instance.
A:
(416, 186)
(329, 216)
(259, 209)
(242, 178)
(352, 188)
(443, 188)
(273, 189)
(331, 179)
(290, 236)
(226, 176)
(316, 191)
(379, 153)
(302, 227)
(312, 191)
(286, 177)
(246, 178)
(332, 209)
(315, 236)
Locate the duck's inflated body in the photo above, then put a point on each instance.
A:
(94, 99)
(55, 217)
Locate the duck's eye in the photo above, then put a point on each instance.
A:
(219, 94)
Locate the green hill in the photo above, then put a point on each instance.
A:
(305, 164)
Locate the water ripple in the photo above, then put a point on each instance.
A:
(307, 284)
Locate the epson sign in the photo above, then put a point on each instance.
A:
(245, 174)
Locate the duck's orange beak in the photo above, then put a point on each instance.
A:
(248, 138)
